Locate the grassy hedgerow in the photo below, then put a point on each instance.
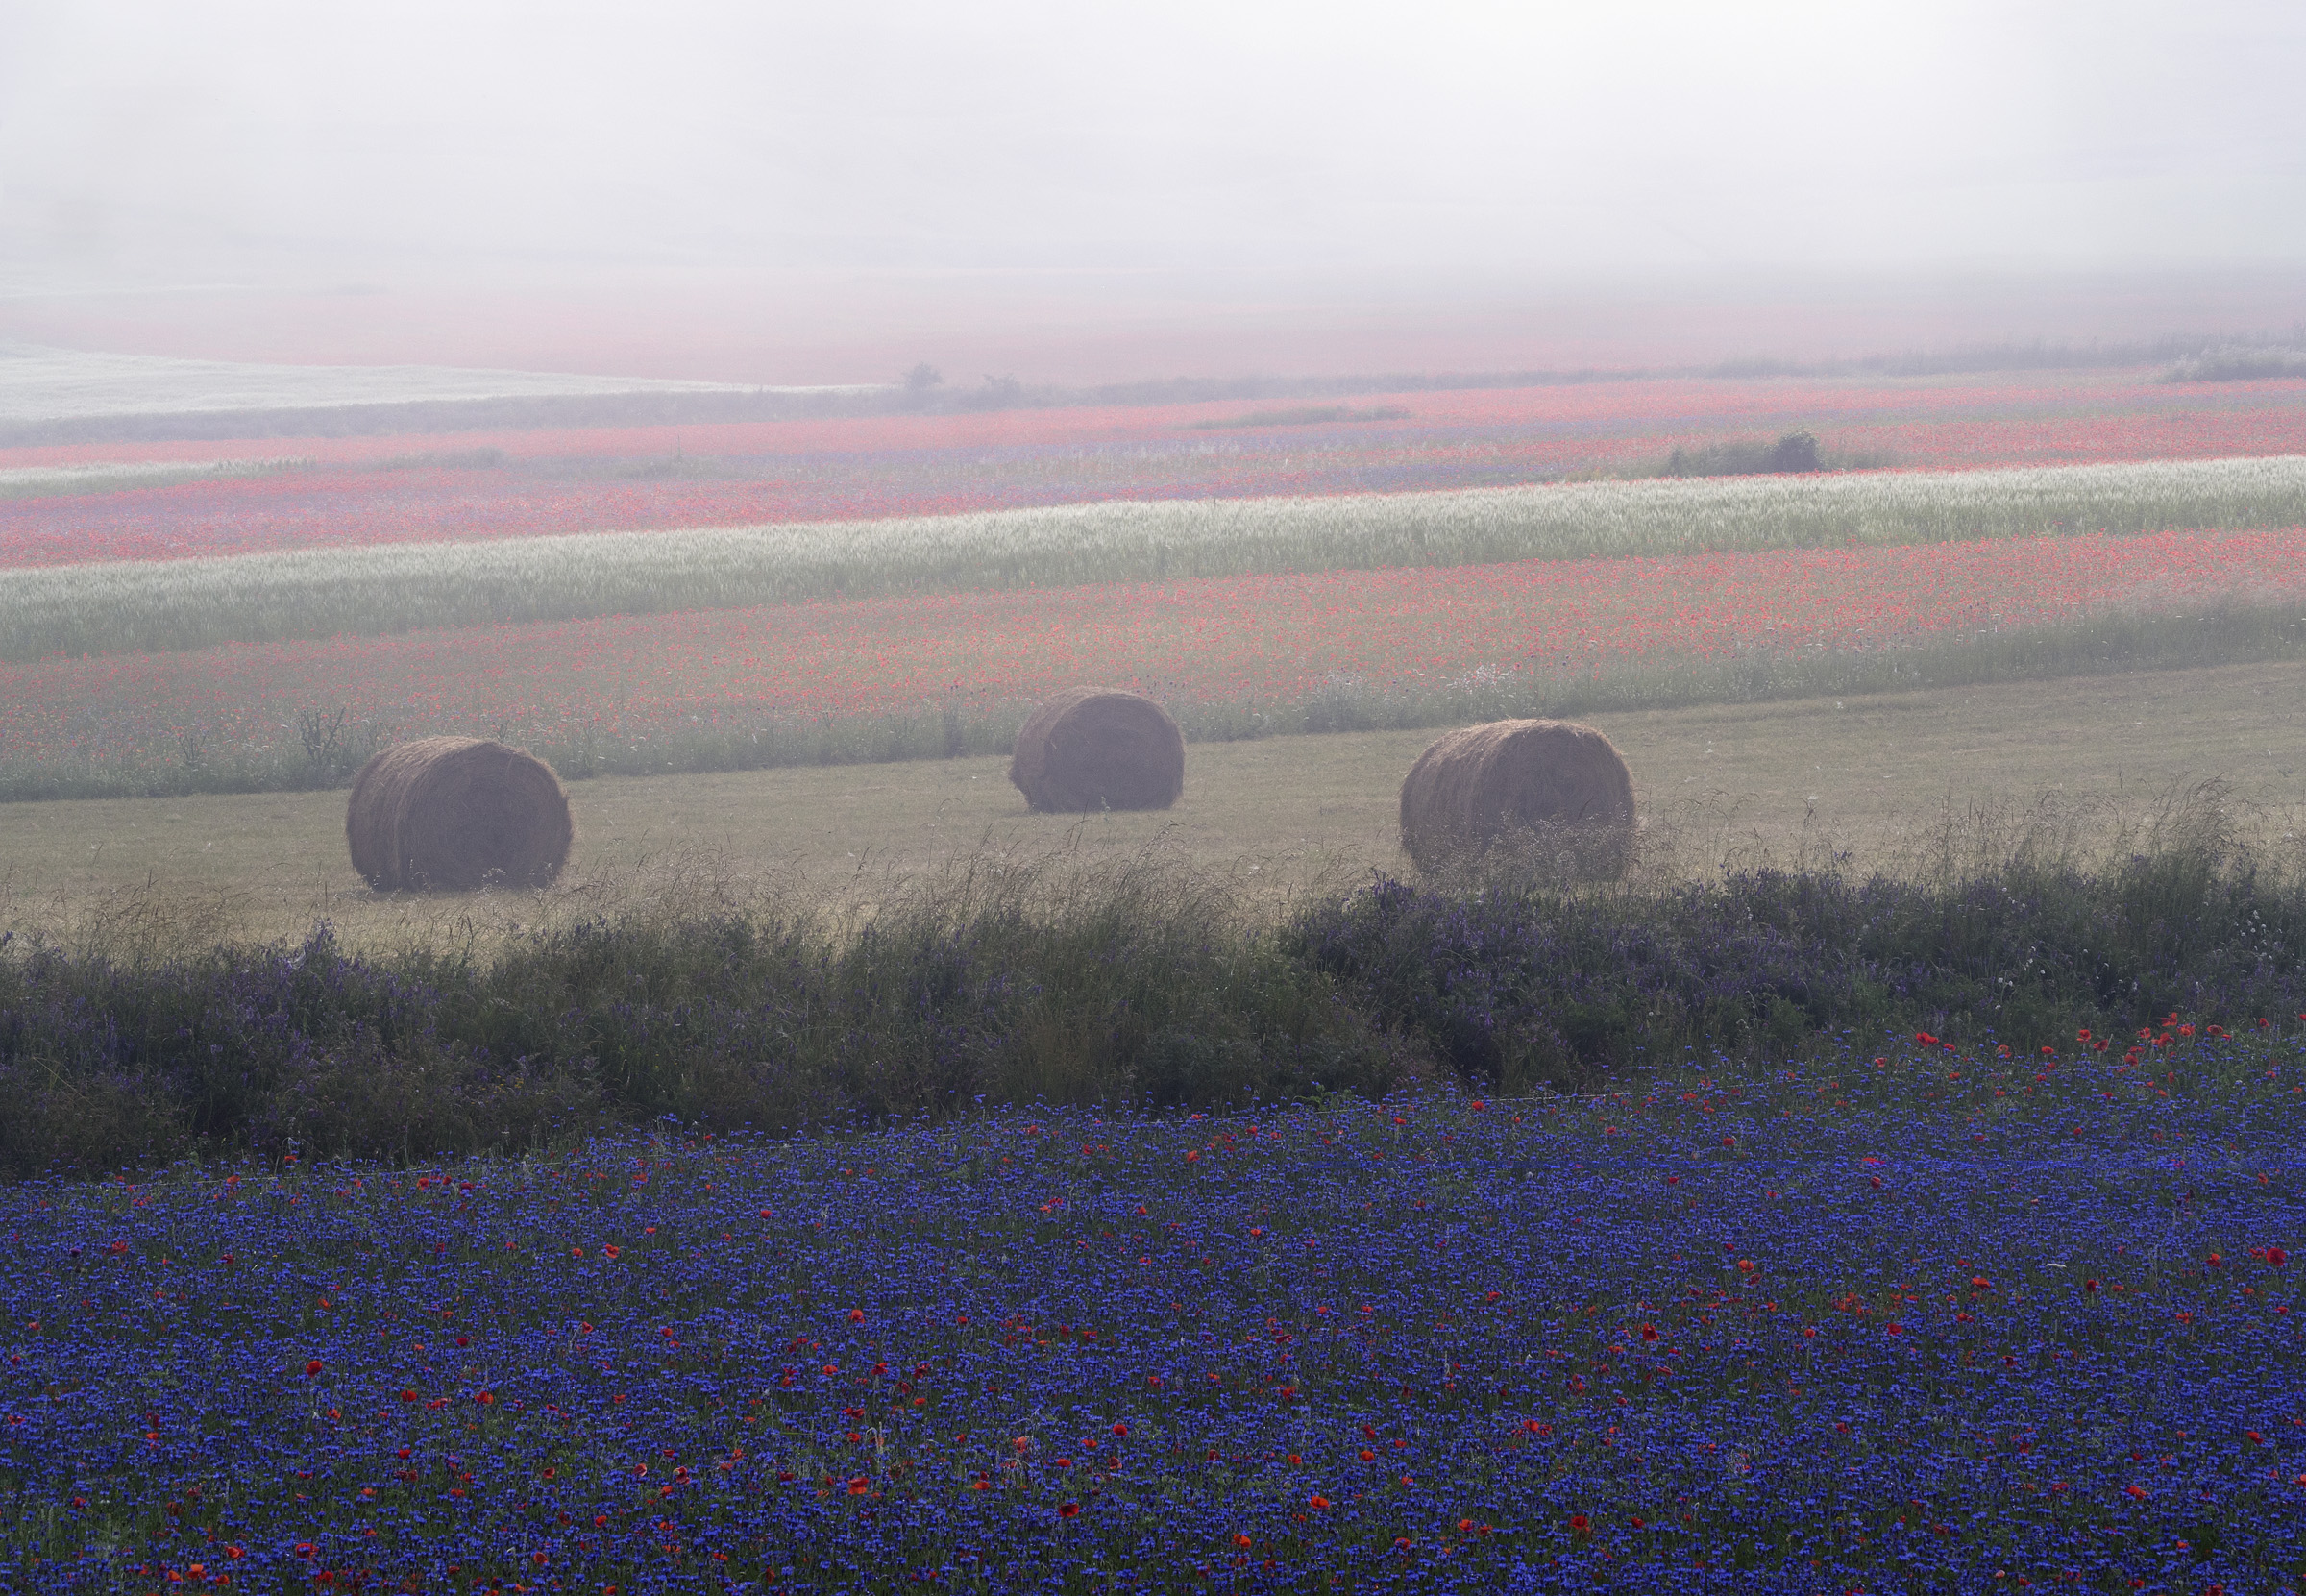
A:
(2008, 942)
(1140, 985)
(1003, 984)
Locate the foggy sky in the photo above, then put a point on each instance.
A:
(153, 134)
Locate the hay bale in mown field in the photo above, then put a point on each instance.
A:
(1094, 747)
(454, 813)
(1554, 785)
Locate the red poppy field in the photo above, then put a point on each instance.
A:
(637, 479)
(634, 689)
(889, 676)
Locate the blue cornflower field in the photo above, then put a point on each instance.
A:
(1915, 1318)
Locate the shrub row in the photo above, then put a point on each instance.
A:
(1141, 989)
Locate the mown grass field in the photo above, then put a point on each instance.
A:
(1720, 784)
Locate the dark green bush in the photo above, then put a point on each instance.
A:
(1795, 452)
(1518, 986)
(1136, 988)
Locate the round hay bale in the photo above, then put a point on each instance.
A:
(454, 813)
(1556, 784)
(1095, 747)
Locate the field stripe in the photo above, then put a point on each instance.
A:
(165, 606)
(1231, 657)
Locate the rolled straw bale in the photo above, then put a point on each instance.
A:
(1095, 747)
(1558, 783)
(454, 813)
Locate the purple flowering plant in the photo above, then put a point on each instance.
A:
(1934, 1317)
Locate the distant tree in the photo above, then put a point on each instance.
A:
(922, 377)
(1793, 451)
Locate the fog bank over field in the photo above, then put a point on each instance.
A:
(1030, 134)
(40, 384)
(791, 194)
(785, 328)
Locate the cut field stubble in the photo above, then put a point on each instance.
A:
(1862, 785)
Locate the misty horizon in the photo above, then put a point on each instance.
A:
(144, 142)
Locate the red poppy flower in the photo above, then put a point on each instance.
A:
(1317, 1501)
(1072, 1509)
(312, 1366)
(1581, 1524)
